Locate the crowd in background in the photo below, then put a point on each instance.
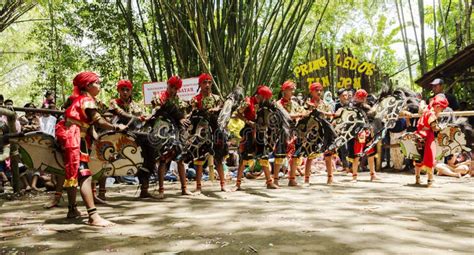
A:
(392, 158)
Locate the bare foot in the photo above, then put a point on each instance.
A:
(224, 189)
(53, 203)
(237, 188)
(35, 189)
(293, 183)
(417, 182)
(430, 184)
(374, 178)
(97, 221)
(186, 192)
(74, 213)
(330, 181)
(275, 181)
(145, 194)
(272, 186)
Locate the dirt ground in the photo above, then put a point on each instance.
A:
(388, 217)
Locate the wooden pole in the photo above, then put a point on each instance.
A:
(445, 114)
(35, 110)
(378, 159)
(210, 163)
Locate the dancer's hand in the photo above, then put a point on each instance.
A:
(185, 122)
(120, 127)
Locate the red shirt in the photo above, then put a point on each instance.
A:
(77, 110)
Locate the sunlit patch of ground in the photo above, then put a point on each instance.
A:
(388, 217)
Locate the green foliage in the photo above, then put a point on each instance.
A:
(241, 42)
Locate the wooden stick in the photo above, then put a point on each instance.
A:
(444, 114)
(35, 110)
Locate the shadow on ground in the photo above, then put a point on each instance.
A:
(387, 217)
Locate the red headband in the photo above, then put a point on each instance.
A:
(360, 94)
(315, 86)
(82, 80)
(124, 84)
(175, 81)
(264, 91)
(288, 85)
(203, 77)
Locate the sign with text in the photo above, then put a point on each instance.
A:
(350, 71)
(186, 93)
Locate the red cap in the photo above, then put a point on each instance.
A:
(82, 80)
(360, 94)
(203, 77)
(264, 91)
(124, 84)
(175, 81)
(288, 85)
(315, 86)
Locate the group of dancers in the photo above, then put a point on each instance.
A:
(74, 134)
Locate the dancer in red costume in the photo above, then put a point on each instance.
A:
(211, 103)
(75, 134)
(296, 112)
(247, 112)
(316, 102)
(363, 138)
(170, 96)
(427, 125)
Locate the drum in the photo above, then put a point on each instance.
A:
(39, 151)
(450, 140)
(115, 154)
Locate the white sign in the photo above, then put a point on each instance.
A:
(186, 93)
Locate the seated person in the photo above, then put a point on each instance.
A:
(455, 166)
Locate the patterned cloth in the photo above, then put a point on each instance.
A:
(249, 108)
(322, 106)
(287, 147)
(290, 106)
(118, 107)
(247, 147)
(162, 98)
(209, 102)
(128, 107)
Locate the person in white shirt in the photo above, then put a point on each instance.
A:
(48, 121)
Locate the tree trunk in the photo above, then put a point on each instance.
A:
(467, 24)
(404, 37)
(421, 10)
(443, 23)
(414, 30)
(130, 41)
